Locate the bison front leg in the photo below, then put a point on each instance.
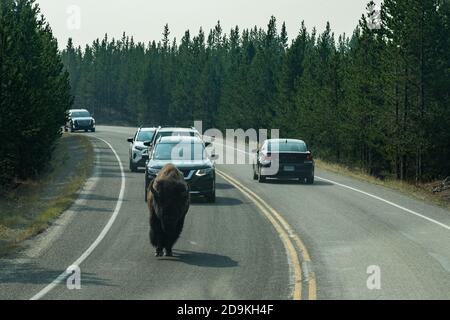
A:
(159, 251)
(169, 252)
(168, 245)
(172, 238)
(156, 236)
(156, 241)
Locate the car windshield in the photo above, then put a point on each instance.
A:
(145, 136)
(289, 146)
(179, 151)
(80, 114)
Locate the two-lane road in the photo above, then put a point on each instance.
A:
(230, 250)
(226, 251)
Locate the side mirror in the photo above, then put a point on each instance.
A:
(208, 144)
(130, 140)
(148, 143)
(214, 157)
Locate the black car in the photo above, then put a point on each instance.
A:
(283, 159)
(189, 155)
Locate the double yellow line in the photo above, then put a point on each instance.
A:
(298, 254)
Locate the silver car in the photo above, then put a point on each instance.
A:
(138, 153)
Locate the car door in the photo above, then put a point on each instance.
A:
(130, 152)
(263, 150)
(69, 119)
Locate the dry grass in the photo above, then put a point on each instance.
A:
(421, 191)
(34, 205)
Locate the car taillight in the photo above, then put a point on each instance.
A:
(266, 158)
(309, 157)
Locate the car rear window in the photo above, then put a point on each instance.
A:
(289, 146)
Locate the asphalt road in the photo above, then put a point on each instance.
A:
(232, 249)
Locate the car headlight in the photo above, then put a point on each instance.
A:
(204, 172)
(153, 171)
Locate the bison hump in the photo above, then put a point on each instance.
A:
(170, 172)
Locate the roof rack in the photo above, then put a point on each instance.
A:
(176, 127)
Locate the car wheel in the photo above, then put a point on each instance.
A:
(93, 130)
(310, 180)
(72, 129)
(66, 129)
(211, 197)
(133, 168)
(261, 178)
(146, 187)
(255, 175)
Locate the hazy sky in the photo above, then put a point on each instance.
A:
(86, 20)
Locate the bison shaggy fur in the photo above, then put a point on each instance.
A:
(168, 202)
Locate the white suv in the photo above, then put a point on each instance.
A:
(138, 153)
(171, 132)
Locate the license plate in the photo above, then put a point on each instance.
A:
(289, 168)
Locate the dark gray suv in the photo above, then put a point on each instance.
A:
(189, 155)
(79, 119)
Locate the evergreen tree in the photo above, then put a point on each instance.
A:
(377, 100)
(34, 91)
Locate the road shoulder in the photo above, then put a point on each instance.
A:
(34, 206)
(44, 257)
(426, 192)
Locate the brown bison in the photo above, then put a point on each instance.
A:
(168, 202)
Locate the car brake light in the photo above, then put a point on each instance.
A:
(309, 157)
(266, 157)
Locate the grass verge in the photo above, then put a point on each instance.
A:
(421, 191)
(33, 206)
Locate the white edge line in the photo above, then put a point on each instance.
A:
(367, 194)
(388, 202)
(99, 239)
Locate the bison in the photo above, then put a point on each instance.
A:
(168, 203)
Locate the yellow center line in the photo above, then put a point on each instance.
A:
(286, 233)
